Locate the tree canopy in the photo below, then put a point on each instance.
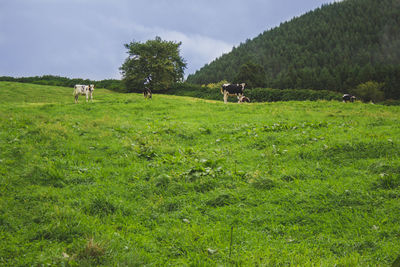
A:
(155, 64)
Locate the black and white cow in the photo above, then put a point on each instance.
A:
(228, 89)
(147, 93)
(348, 98)
(83, 90)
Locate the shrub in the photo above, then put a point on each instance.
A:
(391, 102)
(192, 90)
(369, 91)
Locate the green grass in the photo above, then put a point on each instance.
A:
(125, 181)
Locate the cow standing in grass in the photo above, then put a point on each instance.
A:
(83, 90)
(147, 93)
(228, 89)
(348, 98)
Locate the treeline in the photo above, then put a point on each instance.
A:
(336, 47)
(111, 84)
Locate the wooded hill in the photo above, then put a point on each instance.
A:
(335, 47)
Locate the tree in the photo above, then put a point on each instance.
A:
(155, 64)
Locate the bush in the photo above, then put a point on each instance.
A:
(369, 91)
(391, 102)
(192, 90)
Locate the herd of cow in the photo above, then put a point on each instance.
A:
(227, 90)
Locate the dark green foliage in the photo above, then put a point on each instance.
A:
(335, 47)
(369, 91)
(251, 74)
(270, 95)
(111, 84)
(155, 64)
(391, 102)
(193, 90)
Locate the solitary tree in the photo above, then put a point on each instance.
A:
(155, 64)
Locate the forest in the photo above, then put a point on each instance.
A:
(335, 47)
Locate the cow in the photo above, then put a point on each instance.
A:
(147, 93)
(228, 89)
(83, 90)
(243, 99)
(348, 98)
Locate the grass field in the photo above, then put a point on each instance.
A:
(125, 181)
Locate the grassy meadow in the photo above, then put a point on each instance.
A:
(179, 181)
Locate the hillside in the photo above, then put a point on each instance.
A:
(335, 47)
(125, 181)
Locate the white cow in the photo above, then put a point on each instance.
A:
(83, 90)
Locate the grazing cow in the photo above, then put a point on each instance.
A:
(348, 98)
(228, 89)
(83, 90)
(244, 99)
(147, 93)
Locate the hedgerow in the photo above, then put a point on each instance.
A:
(256, 95)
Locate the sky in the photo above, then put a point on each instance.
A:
(85, 38)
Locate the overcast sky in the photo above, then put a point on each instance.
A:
(85, 38)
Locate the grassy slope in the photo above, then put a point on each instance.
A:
(128, 181)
